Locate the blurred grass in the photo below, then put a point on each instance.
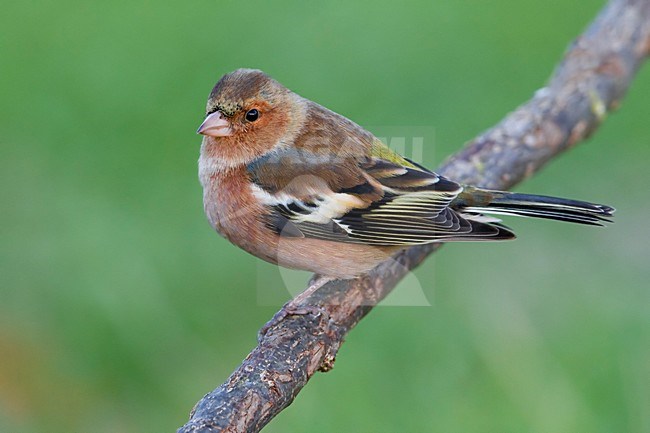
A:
(119, 307)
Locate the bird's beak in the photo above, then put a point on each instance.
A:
(215, 126)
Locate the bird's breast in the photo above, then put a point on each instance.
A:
(235, 213)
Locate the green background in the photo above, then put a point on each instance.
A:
(120, 308)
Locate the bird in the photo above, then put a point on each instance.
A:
(303, 187)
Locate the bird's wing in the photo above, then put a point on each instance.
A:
(382, 199)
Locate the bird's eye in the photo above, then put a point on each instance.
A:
(252, 115)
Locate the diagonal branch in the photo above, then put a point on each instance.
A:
(306, 334)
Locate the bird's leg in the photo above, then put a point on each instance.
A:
(299, 306)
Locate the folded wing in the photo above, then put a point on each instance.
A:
(389, 204)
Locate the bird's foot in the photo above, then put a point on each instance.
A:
(299, 306)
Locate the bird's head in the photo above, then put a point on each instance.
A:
(249, 114)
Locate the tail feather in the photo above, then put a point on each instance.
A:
(539, 206)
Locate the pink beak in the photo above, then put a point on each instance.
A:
(215, 126)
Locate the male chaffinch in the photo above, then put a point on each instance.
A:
(296, 184)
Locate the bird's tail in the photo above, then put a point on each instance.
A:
(537, 206)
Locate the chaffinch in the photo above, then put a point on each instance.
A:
(296, 184)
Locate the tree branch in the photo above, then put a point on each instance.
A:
(306, 334)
